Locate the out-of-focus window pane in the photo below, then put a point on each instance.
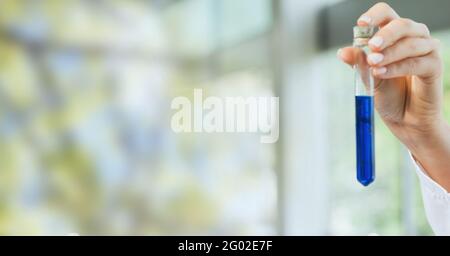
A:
(86, 144)
(242, 19)
(200, 26)
(191, 24)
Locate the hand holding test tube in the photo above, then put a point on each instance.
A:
(407, 69)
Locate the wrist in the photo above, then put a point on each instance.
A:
(432, 151)
(425, 139)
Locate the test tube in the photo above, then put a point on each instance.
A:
(364, 107)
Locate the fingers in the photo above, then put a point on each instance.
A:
(403, 49)
(379, 15)
(348, 55)
(425, 66)
(396, 30)
(400, 48)
(392, 27)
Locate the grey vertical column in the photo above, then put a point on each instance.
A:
(303, 181)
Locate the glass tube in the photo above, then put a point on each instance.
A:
(364, 108)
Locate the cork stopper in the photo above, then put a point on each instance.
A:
(363, 31)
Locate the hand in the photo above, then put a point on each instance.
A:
(407, 67)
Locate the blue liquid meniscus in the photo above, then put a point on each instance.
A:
(365, 145)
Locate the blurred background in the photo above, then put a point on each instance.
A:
(85, 140)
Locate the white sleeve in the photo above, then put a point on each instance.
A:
(436, 201)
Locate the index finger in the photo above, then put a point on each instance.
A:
(347, 55)
(352, 56)
(378, 15)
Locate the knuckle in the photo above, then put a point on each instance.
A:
(388, 32)
(391, 53)
(421, 46)
(424, 28)
(383, 5)
(437, 44)
(414, 45)
(434, 63)
(434, 57)
(404, 22)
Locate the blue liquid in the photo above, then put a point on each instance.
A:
(365, 154)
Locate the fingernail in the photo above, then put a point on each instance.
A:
(379, 71)
(375, 58)
(365, 19)
(338, 53)
(376, 41)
